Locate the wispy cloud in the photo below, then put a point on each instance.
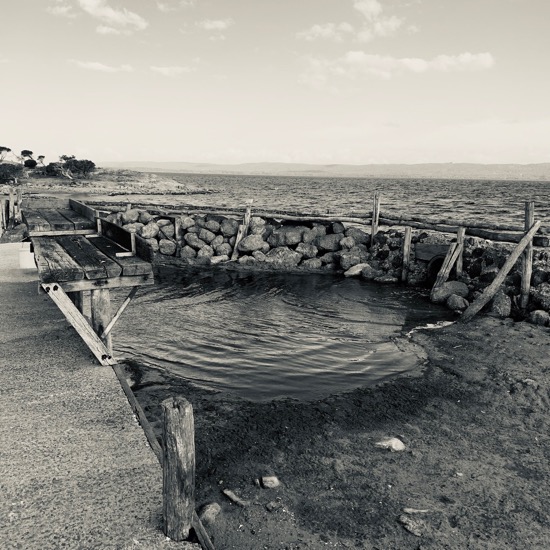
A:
(172, 71)
(356, 65)
(167, 7)
(115, 20)
(61, 9)
(215, 24)
(329, 31)
(96, 66)
(374, 24)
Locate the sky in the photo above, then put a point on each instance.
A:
(312, 81)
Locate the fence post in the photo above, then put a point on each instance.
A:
(527, 257)
(460, 241)
(178, 468)
(406, 253)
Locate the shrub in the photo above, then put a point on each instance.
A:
(30, 163)
(80, 167)
(10, 172)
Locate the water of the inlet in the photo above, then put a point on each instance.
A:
(268, 336)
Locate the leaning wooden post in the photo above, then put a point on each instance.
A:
(460, 241)
(178, 468)
(11, 209)
(527, 257)
(19, 201)
(243, 230)
(491, 290)
(375, 216)
(406, 253)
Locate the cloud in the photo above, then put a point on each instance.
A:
(61, 9)
(374, 24)
(167, 7)
(329, 31)
(215, 24)
(356, 65)
(96, 66)
(116, 19)
(172, 70)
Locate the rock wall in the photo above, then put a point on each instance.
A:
(342, 248)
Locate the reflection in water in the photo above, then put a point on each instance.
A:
(264, 336)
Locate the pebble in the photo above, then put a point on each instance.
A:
(270, 482)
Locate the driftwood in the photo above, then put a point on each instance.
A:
(375, 216)
(491, 290)
(455, 250)
(406, 253)
(460, 240)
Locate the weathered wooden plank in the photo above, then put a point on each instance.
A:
(491, 290)
(460, 240)
(56, 220)
(143, 250)
(406, 253)
(113, 282)
(131, 265)
(84, 209)
(375, 216)
(454, 252)
(119, 235)
(241, 233)
(178, 467)
(75, 318)
(35, 221)
(54, 263)
(117, 315)
(101, 316)
(79, 221)
(93, 262)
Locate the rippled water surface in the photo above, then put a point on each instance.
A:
(264, 336)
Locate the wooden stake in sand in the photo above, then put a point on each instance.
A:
(491, 290)
(527, 257)
(178, 468)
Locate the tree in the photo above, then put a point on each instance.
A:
(3, 152)
(25, 153)
(10, 172)
(65, 158)
(80, 167)
(40, 159)
(30, 163)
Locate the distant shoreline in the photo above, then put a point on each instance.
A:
(446, 171)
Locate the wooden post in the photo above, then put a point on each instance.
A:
(406, 253)
(86, 305)
(460, 240)
(453, 253)
(3, 221)
(527, 257)
(491, 290)
(243, 230)
(11, 210)
(178, 468)
(101, 315)
(18, 203)
(375, 216)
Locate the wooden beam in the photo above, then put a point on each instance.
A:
(35, 221)
(57, 221)
(84, 209)
(101, 316)
(53, 262)
(241, 234)
(117, 315)
(61, 233)
(114, 282)
(119, 235)
(527, 268)
(78, 322)
(460, 241)
(491, 290)
(452, 255)
(86, 305)
(131, 265)
(201, 533)
(178, 468)
(79, 221)
(406, 253)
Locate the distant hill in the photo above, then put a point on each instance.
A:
(539, 172)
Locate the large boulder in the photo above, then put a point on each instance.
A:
(192, 240)
(369, 272)
(359, 236)
(283, 257)
(457, 303)
(166, 247)
(338, 228)
(187, 252)
(257, 225)
(501, 305)
(286, 236)
(311, 234)
(153, 244)
(133, 227)
(356, 270)
(145, 217)
(205, 252)
(328, 243)
(212, 225)
(445, 290)
(206, 235)
(149, 231)
(186, 222)
(229, 227)
(347, 243)
(217, 241)
(312, 263)
(354, 256)
(539, 317)
(130, 216)
(307, 250)
(224, 249)
(541, 296)
(251, 243)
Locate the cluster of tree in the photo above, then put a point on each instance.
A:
(68, 166)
